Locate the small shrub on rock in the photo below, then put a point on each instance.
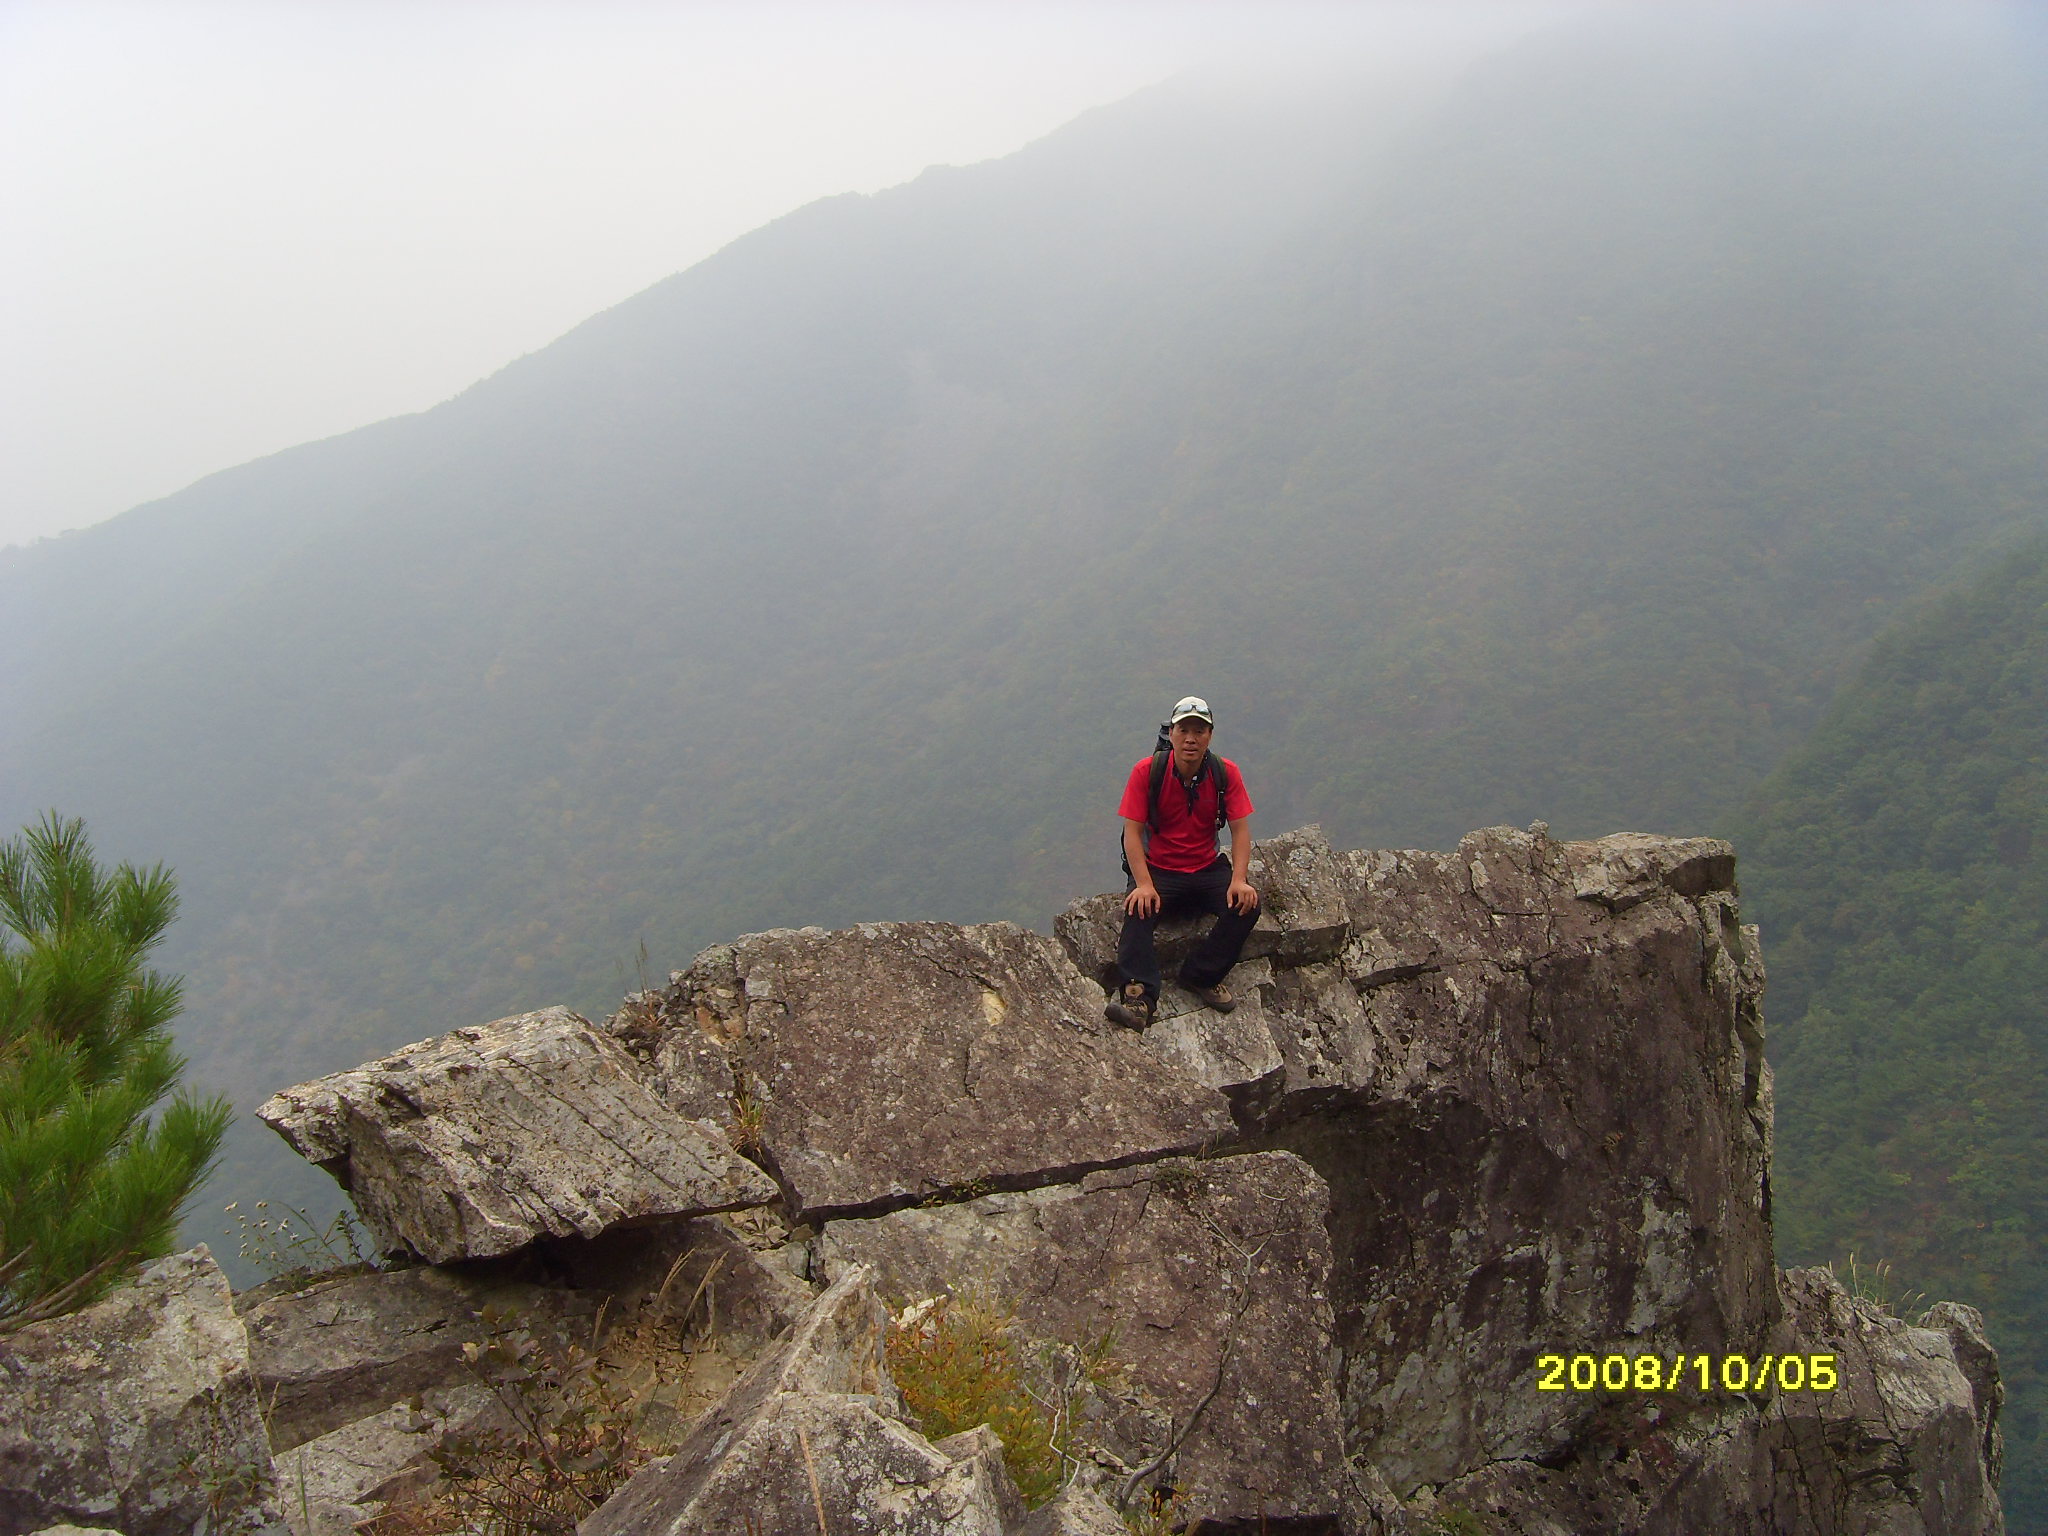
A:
(957, 1367)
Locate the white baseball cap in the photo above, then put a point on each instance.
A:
(1191, 708)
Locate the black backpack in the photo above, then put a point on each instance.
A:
(1162, 758)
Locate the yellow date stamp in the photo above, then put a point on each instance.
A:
(1671, 1373)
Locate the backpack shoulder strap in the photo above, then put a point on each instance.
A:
(1159, 762)
(1222, 791)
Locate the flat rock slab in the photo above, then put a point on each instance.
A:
(478, 1142)
(1233, 1052)
(339, 1350)
(883, 1064)
(1209, 1275)
(137, 1414)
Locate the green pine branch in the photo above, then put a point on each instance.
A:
(99, 1150)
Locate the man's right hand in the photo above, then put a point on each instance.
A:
(1143, 901)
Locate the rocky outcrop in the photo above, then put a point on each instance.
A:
(476, 1143)
(1904, 1442)
(1475, 1109)
(1895, 1444)
(139, 1414)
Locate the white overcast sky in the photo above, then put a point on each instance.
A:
(229, 227)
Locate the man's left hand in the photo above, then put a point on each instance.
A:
(1242, 897)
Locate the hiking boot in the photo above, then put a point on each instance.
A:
(1217, 997)
(1133, 1009)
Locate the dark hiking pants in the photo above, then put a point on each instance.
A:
(1180, 895)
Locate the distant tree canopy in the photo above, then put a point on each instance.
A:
(1898, 865)
(89, 1184)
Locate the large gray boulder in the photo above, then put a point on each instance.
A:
(138, 1414)
(888, 1063)
(1528, 1076)
(1210, 1279)
(478, 1142)
(812, 1436)
(1533, 1080)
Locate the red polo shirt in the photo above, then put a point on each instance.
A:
(1185, 840)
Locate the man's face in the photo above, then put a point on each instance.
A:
(1190, 740)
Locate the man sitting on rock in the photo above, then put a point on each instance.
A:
(1175, 804)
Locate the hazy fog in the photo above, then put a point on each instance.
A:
(235, 226)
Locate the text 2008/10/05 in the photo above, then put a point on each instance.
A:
(1705, 1373)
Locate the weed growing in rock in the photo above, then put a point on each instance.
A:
(1176, 1178)
(956, 1366)
(223, 1471)
(569, 1448)
(1162, 1512)
(294, 1244)
(749, 1117)
(1455, 1520)
(1875, 1284)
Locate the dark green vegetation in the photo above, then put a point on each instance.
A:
(1899, 866)
(1553, 447)
(95, 1167)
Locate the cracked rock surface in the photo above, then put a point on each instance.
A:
(892, 1061)
(480, 1141)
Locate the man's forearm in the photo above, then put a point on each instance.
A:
(1134, 855)
(1241, 849)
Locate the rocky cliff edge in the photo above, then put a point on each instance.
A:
(1460, 1222)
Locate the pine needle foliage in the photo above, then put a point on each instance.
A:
(90, 1183)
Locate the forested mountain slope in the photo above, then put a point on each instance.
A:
(1899, 866)
(1552, 449)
